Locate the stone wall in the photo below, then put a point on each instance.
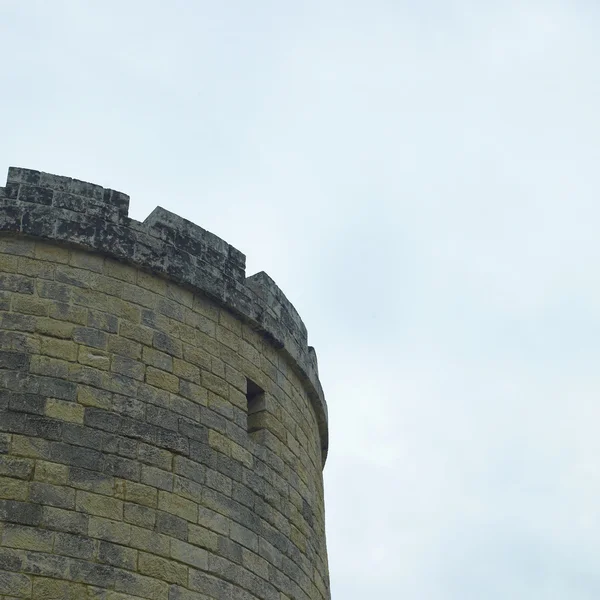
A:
(162, 426)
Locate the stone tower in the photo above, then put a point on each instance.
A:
(162, 425)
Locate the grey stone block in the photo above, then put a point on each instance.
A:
(42, 427)
(35, 194)
(90, 337)
(27, 403)
(171, 525)
(117, 556)
(76, 546)
(20, 512)
(14, 360)
(122, 467)
(64, 520)
(47, 494)
(77, 456)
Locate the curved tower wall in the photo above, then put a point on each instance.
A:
(162, 426)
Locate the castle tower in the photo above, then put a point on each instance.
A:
(162, 425)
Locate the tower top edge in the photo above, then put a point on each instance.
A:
(69, 211)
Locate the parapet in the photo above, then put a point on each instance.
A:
(89, 216)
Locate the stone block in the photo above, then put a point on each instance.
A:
(162, 568)
(117, 556)
(64, 520)
(10, 466)
(20, 512)
(108, 530)
(64, 411)
(47, 494)
(76, 546)
(162, 380)
(15, 585)
(102, 506)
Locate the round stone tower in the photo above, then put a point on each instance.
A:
(162, 426)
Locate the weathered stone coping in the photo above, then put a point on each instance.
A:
(66, 210)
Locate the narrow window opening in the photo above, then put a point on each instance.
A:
(255, 396)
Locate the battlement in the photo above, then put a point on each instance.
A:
(89, 216)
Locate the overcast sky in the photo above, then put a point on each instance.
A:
(422, 181)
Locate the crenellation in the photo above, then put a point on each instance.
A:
(31, 178)
(18, 175)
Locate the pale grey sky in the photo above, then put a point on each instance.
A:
(421, 179)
